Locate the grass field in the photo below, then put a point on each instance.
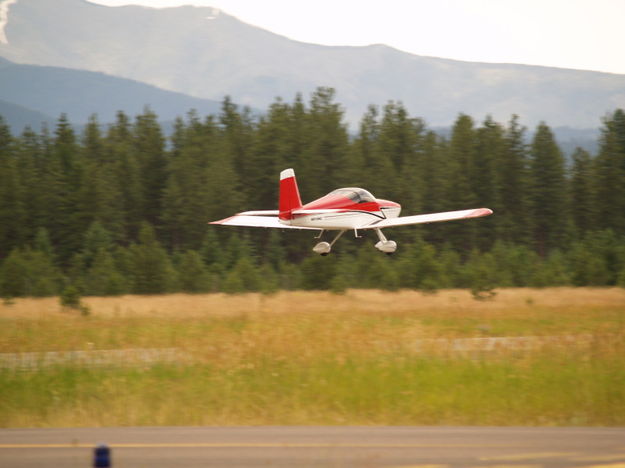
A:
(321, 358)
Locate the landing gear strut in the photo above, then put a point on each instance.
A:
(324, 248)
(385, 245)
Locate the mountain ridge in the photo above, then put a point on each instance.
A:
(18, 115)
(79, 93)
(180, 49)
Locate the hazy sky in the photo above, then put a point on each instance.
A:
(581, 34)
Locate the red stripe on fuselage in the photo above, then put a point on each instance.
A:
(339, 202)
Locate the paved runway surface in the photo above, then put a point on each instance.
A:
(190, 447)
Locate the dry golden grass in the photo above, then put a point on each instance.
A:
(508, 301)
(321, 358)
(217, 328)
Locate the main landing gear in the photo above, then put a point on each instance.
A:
(384, 245)
(387, 246)
(323, 248)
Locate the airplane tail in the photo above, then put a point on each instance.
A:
(289, 194)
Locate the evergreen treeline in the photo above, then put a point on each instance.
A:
(124, 209)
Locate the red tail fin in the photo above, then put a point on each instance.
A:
(289, 194)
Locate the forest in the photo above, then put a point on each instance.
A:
(123, 208)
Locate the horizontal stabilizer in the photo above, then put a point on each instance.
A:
(257, 221)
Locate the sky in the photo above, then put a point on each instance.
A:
(579, 34)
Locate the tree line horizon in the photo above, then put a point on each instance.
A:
(124, 209)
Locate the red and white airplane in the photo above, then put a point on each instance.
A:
(342, 210)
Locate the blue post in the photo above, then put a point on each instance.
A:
(102, 456)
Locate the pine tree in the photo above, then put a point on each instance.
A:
(233, 283)
(400, 142)
(324, 155)
(244, 277)
(149, 149)
(101, 195)
(587, 268)
(485, 180)
(317, 273)
(65, 217)
(28, 272)
(516, 265)
(268, 279)
(211, 250)
(380, 273)
(192, 274)
(513, 218)
(610, 174)
(223, 182)
(29, 157)
(103, 278)
(548, 191)
(12, 194)
(96, 239)
(290, 276)
(554, 271)
(14, 275)
(608, 250)
(481, 275)
(237, 132)
(434, 167)
(186, 197)
(583, 202)
(460, 191)
(273, 151)
(389, 150)
(43, 244)
(124, 169)
(149, 265)
(363, 153)
(345, 274)
(273, 252)
(419, 267)
(451, 268)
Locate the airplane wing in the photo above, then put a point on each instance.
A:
(428, 218)
(322, 211)
(255, 220)
(260, 213)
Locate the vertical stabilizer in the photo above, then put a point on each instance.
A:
(289, 194)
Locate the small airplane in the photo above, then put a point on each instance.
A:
(342, 210)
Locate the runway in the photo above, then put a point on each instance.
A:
(440, 447)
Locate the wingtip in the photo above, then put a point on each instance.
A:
(479, 212)
(483, 212)
(221, 221)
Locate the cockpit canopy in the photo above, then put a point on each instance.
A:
(357, 195)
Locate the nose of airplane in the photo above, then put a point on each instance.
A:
(388, 204)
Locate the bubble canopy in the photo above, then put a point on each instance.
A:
(357, 195)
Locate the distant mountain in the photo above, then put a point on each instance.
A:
(49, 91)
(18, 117)
(206, 53)
(567, 138)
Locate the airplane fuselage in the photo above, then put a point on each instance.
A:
(342, 209)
